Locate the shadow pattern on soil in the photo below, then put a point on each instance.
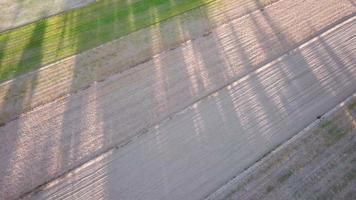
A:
(210, 64)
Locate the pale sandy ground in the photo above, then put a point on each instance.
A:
(242, 91)
(15, 13)
(318, 163)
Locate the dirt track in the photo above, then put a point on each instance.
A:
(223, 99)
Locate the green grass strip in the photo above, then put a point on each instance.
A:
(27, 48)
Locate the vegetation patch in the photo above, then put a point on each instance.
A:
(352, 106)
(351, 175)
(269, 189)
(285, 176)
(29, 47)
(331, 132)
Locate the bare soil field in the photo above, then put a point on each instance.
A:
(318, 163)
(80, 71)
(15, 13)
(176, 110)
(191, 153)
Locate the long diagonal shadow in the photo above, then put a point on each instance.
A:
(18, 159)
(74, 132)
(294, 70)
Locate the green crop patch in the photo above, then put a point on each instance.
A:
(29, 47)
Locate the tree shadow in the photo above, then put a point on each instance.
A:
(17, 158)
(301, 66)
(182, 76)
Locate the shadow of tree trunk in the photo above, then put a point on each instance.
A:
(14, 164)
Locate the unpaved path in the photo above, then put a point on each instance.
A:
(15, 13)
(318, 163)
(196, 148)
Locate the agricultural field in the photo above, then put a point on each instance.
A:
(34, 45)
(17, 13)
(177, 99)
(318, 163)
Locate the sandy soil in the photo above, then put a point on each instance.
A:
(15, 13)
(242, 91)
(318, 163)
